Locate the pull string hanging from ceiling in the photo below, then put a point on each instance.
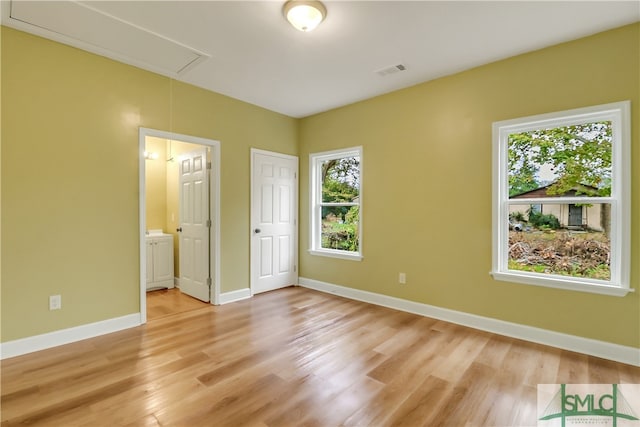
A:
(150, 155)
(170, 154)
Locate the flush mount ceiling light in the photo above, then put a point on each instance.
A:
(304, 15)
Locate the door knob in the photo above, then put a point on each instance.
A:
(257, 230)
(179, 230)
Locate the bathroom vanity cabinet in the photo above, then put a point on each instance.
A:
(159, 261)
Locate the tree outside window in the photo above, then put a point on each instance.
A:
(336, 196)
(562, 200)
(568, 238)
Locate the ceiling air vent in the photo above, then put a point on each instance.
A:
(391, 70)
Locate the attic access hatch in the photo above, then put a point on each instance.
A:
(76, 24)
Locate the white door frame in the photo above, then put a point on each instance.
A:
(297, 208)
(214, 202)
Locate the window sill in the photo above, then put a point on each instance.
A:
(352, 256)
(559, 283)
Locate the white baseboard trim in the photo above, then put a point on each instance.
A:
(605, 350)
(65, 336)
(233, 296)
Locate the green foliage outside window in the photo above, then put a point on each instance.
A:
(341, 185)
(568, 157)
(574, 159)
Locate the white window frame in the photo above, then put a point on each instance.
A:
(620, 200)
(315, 184)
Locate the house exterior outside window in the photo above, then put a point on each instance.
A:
(562, 200)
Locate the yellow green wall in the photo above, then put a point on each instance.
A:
(427, 184)
(69, 177)
(156, 184)
(70, 124)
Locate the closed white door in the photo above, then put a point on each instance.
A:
(194, 225)
(274, 212)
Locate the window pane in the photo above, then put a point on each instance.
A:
(341, 180)
(562, 161)
(563, 239)
(340, 228)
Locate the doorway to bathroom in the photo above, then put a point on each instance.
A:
(179, 212)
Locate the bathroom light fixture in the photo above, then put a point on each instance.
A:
(304, 15)
(150, 155)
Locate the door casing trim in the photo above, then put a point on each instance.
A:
(214, 203)
(296, 251)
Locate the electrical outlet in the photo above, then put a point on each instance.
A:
(55, 302)
(402, 278)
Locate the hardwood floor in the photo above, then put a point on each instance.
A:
(165, 302)
(292, 357)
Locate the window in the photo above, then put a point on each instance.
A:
(561, 199)
(336, 197)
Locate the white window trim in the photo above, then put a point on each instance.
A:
(315, 184)
(619, 114)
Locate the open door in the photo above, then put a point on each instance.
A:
(195, 278)
(208, 264)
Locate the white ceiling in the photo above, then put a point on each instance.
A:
(248, 51)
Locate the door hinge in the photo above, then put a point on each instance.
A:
(208, 165)
(209, 281)
(295, 268)
(209, 223)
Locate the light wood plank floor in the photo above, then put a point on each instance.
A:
(293, 357)
(165, 302)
